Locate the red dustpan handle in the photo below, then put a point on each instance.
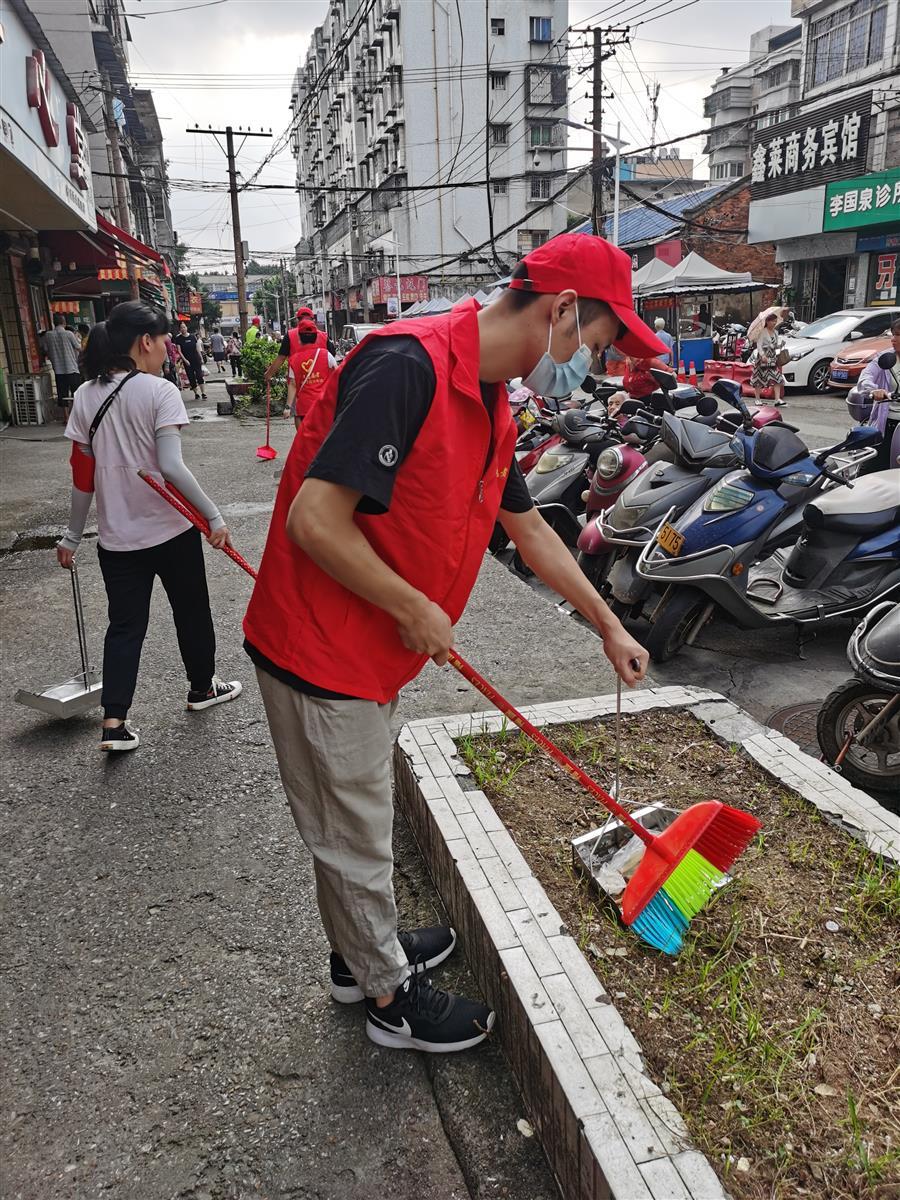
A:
(477, 681)
(178, 502)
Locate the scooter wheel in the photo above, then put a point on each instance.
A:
(846, 710)
(673, 622)
(595, 568)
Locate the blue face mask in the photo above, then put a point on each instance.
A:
(550, 378)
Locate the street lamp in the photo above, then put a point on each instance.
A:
(617, 144)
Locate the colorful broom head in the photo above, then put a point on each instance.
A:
(679, 873)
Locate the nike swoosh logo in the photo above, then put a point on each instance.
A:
(403, 1027)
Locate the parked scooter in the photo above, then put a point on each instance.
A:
(696, 456)
(755, 516)
(858, 725)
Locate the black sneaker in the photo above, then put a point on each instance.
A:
(425, 949)
(219, 693)
(422, 1017)
(119, 737)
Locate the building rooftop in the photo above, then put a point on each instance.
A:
(642, 224)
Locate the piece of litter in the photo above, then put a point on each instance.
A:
(824, 1089)
(832, 926)
(525, 1127)
(743, 1164)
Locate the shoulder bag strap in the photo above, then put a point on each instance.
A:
(104, 407)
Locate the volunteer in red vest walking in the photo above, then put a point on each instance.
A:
(290, 342)
(308, 371)
(385, 509)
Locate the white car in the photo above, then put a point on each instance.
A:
(813, 347)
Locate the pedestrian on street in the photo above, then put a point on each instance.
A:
(766, 368)
(217, 345)
(62, 346)
(881, 384)
(253, 332)
(233, 350)
(387, 503)
(290, 342)
(666, 338)
(189, 352)
(310, 368)
(126, 418)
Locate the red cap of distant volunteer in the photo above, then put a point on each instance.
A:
(305, 314)
(595, 270)
(255, 321)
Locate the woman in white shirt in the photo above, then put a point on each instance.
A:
(124, 419)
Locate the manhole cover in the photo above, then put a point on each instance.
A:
(798, 722)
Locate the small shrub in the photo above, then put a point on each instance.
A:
(255, 358)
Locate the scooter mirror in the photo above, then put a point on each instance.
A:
(666, 380)
(887, 361)
(707, 405)
(862, 435)
(589, 384)
(729, 390)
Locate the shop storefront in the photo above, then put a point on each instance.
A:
(45, 169)
(800, 170)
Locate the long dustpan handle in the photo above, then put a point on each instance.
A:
(477, 681)
(79, 622)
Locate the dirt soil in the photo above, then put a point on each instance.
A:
(775, 1030)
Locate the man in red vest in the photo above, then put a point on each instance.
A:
(387, 502)
(290, 342)
(309, 367)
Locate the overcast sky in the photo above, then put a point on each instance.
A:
(232, 61)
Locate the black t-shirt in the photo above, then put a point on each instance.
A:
(384, 396)
(187, 344)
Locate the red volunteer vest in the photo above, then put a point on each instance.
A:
(444, 505)
(311, 372)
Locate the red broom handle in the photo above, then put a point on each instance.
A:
(477, 681)
(268, 407)
(468, 673)
(178, 502)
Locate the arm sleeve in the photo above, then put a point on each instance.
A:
(78, 513)
(516, 497)
(285, 348)
(173, 469)
(869, 380)
(384, 397)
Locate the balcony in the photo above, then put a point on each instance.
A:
(730, 97)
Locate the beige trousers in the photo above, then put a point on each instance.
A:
(335, 762)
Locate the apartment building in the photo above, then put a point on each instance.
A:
(766, 87)
(391, 105)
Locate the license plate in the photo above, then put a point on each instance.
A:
(670, 539)
(838, 374)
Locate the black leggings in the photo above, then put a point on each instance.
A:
(129, 577)
(235, 360)
(194, 374)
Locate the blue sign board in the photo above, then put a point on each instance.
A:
(217, 295)
(877, 241)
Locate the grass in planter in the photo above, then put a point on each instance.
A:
(776, 1036)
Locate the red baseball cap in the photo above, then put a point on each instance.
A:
(255, 321)
(305, 313)
(596, 270)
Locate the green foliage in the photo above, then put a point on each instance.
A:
(255, 358)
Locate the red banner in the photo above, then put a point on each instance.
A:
(412, 288)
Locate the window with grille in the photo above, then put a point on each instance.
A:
(540, 29)
(845, 41)
(499, 81)
(546, 85)
(500, 187)
(498, 26)
(499, 135)
(530, 239)
(539, 187)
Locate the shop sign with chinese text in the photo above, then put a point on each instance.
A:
(811, 149)
(869, 200)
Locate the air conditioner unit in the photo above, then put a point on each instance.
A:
(30, 397)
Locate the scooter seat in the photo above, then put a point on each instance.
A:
(872, 505)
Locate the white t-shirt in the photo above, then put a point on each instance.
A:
(130, 515)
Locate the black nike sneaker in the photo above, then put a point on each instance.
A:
(423, 1017)
(425, 949)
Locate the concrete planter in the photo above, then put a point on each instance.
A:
(607, 1129)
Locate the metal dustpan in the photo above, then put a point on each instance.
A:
(77, 695)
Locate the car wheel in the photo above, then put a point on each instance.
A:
(818, 376)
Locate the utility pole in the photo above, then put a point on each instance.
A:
(228, 133)
(606, 40)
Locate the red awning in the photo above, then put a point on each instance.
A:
(126, 240)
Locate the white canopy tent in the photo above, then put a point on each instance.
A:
(695, 274)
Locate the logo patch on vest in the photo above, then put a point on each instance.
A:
(388, 456)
